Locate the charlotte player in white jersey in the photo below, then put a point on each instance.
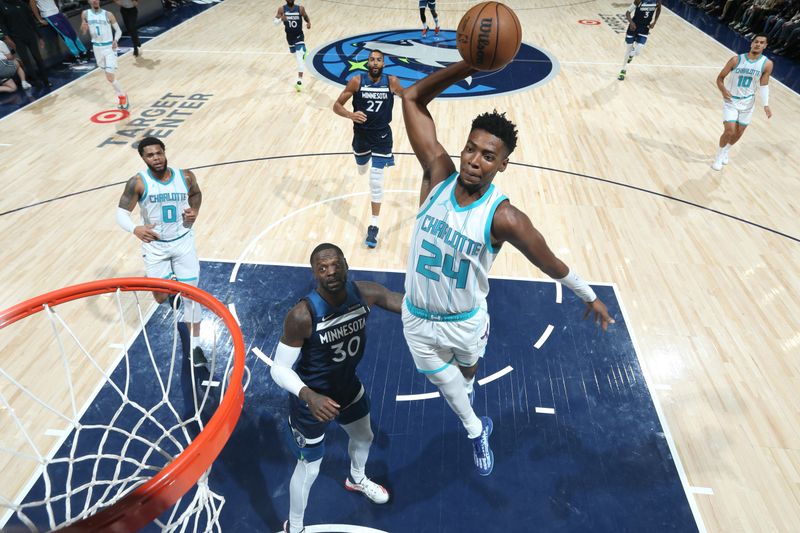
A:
(747, 71)
(99, 23)
(463, 221)
(169, 200)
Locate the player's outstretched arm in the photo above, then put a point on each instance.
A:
(377, 294)
(352, 87)
(296, 329)
(513, 226)
(436, 163)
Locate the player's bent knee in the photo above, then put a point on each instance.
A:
(301, 65)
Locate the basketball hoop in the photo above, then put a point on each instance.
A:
(146, 495)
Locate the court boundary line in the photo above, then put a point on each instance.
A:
(662, 419)
(513, 163)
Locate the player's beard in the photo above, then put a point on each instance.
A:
(155, 171)
(471, 188)
(377, 75)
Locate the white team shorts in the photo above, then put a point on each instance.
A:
(436, 345)
(106, 58)
(170, 259)
(739, 111)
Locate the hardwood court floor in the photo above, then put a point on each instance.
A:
(712, 300)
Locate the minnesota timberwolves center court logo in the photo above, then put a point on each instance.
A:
(410, 57)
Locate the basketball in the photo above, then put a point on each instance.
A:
(489, 36)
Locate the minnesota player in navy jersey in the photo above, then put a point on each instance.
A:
(290, 15)
(431, 4)
(642, 16)
(372, 137)
(323, 341)
(463, 222)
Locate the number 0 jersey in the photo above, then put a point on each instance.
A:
(447, 277)
(329, 357)
(163, 203)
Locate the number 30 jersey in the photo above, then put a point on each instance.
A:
(163, 203)
(329, 357)
(451, 253)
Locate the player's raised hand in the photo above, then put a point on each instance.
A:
(359, 117)
(146, 233)
(599, 313)
(323, 408)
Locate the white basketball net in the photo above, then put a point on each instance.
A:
(78, 465)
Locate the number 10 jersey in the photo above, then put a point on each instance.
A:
(451, 253)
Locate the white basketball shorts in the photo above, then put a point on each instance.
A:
(170, 259)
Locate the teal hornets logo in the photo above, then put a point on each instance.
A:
(411, 57)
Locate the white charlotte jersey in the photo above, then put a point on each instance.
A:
(746, 76)
(162, 204)
(99, 27)
(451, 252)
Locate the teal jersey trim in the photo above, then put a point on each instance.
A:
(171, 176)
(439, 317)
(146, 188)
(487, 231)
(442, 186)
(176, 238)
(437, 370)
(183, 179)
(474, 204)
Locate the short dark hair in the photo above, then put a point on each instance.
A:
(149, 141)
(322, 247)
(764, 35)
(498, 125)
(379, 51)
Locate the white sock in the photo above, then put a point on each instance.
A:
(362, 169)
(373, 220)
(456, 396)
(637, 48)
(117, 88)
(628, 52)
(436, 21)
(304, 475)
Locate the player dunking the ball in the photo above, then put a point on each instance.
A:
(463, 221)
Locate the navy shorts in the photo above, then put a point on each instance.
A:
(640, 35)
(375, 144)
(311, 429)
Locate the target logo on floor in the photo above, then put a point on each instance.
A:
(109, 116)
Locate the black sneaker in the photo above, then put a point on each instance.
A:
(199, 358)
(372, 237)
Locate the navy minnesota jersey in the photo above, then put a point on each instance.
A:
(376, 100)
(329, 357)
(642, 16)
(293, 24)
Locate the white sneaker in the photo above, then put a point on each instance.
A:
(26, 85)
(717, 164)
(725, 157)
(376, 493)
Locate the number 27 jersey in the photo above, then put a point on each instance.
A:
(451, 251)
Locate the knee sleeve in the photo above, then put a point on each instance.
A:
(376, 184)
(362, 169)
(637, 48)
(301, 65)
